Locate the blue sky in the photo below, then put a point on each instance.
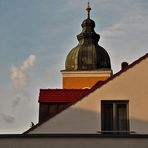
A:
(36, 36)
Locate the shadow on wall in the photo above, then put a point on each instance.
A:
(71, 121)
(75, 120)
(139, 126)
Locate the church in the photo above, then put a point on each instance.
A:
(95, 108)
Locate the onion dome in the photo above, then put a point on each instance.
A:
(87, 55)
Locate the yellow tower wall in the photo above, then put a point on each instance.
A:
(83, 79)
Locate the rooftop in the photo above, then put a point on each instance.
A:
(61, 95)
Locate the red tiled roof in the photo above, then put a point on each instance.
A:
(61, 95)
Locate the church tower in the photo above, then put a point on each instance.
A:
(88, 62)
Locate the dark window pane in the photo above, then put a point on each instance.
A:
(108, 117)
(122, 117)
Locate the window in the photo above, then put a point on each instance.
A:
(114, 117)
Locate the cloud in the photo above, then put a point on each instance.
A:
(19, 74)
(128, 26)
(7, 118)
(129, 34)
(29, 62)
(20, 78)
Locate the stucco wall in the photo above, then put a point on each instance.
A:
(73, 142)
(81, 82)
(83, 79)
(84, 116)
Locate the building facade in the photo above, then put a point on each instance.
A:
(118, 105)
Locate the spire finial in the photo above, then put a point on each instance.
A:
(88, 9)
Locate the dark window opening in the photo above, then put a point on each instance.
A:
(114, 117)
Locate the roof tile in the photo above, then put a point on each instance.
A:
(61, 95)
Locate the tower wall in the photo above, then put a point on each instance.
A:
(83, 79)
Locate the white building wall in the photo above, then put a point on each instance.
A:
(84, 116)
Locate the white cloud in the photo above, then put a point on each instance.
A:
(29, 62)
(128, 26)
(128, 35)
(20, 78)
(19, 74)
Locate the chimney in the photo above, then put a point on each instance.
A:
(124, 65)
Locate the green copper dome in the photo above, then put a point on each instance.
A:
(87, 55)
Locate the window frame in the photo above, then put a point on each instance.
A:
(115, 129)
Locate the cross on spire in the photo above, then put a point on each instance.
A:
(88, 9)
